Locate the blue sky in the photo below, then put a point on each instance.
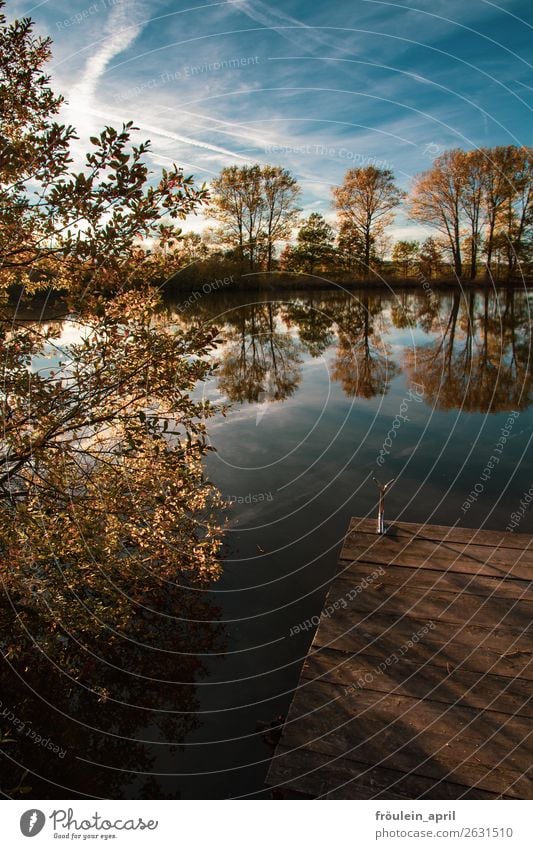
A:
(314, 87)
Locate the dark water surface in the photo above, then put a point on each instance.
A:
(325, 389)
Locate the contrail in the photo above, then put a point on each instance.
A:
(285, 25)
(168, 134)
(123, 27)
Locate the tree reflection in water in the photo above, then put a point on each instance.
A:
(480, 360)
(475, 354)
(260, 363)
(106, 619)
(363, 362)
(109, 536)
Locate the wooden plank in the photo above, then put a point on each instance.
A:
(498, 555)
(511, 696)
(317, 775)
(450, 582)
(483, 748)
(444, 532)
(500, 651)
(431, 554)
(430, 604)
(378, 715)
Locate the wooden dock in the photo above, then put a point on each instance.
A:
(419, 681)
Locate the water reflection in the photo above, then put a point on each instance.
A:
(261, 362)
(469, 350)
(92, 729)
(363, 363)
(109, 540)
(479, 360)
(140, 722)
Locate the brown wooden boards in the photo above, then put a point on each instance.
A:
(442, 555)
(419, 681)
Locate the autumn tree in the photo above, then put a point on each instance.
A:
(430, 259)
(256, 207)
(108, 527)
(404, 255)
(72, 228)
(436, 200)
(366, 201)
(280, 192)
(516, 215)
(236, 205)
(481, 202)
(472, 203)
(497, 193)
(350, 250)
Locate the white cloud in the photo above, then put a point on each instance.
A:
(290, 28)
(168, 134)
(122, 27)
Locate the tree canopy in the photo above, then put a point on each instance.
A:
(365, 202)
(76, 229)
(109, 530)
(256, 208)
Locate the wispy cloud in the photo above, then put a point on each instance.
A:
(332, 86)
(290, 28)
(168, 134)
(123, 30)
(122, 27)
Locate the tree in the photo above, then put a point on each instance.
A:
(280, 191)
(497, 193)
(75, 229)
(436, 199)
(518, 209)
(108, 528)
(480, 200)
(430, 258)
(351, 250)
(256, 206)
(236, 205)
(472, 203)
(404, 255)
(192, 247)
(314, 244)
(366, 201)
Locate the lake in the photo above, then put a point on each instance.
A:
(323, 390)
(316, 383)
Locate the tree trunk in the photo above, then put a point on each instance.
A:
(473, 256)
(490, 245)
(457, 239)
(367, 252)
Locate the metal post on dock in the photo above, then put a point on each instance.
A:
(383, 489)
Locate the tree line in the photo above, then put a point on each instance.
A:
(478, 206)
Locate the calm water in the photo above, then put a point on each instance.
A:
(315, 383)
